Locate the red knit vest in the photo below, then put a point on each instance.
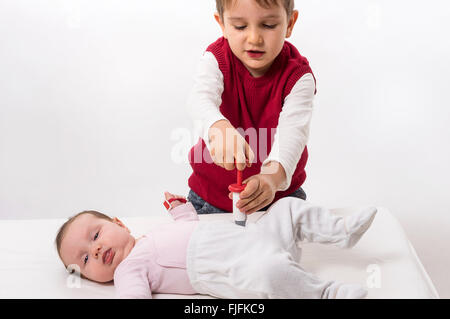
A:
(248, 102)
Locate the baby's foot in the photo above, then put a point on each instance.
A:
(174, 203)
(356, 225)
(338, 290)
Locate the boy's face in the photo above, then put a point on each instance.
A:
(96, 245)
(256, 34)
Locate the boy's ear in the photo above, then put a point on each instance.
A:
(117, 221)
(220, 22)
(291, 23)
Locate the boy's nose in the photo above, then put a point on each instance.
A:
(254, 37)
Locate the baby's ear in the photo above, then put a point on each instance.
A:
(117, 221)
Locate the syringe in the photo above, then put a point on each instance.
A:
(239, 217)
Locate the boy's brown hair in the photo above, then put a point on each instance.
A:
(62, 230)
(288, 5)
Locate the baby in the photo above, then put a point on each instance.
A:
(217, 258)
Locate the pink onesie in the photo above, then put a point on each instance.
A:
(224, 260)
(157, 263)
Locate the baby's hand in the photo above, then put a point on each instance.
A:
(228, 147)
(175, 203)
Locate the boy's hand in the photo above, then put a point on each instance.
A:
(260, 189)
(175, 203)
(227, 146)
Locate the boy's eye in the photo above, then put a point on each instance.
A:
(239, 27)
(86, 259)
(269, 26)
(96, 235)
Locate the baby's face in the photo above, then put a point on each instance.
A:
(96, 245)
(256, 34)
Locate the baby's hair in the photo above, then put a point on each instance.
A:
(288, 5)
(62, 230)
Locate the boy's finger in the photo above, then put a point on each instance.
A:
(240, 160)
(258, 207)
(250, 188)
(249, 154)
(229, 160)
(217, 156)
(228, 166)
(251, 202)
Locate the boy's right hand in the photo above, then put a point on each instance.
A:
(228, 147)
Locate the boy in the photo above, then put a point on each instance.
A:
(251, 80)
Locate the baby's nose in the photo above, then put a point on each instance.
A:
(96, 250)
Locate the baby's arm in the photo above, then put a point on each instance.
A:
(185, 212)
(179, 210)
(132, 282)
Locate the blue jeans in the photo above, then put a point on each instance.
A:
(203, 207)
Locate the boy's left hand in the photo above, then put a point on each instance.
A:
(260, 189)
(259, 192)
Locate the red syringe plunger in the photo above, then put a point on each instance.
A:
(239, 177)
(238, 187)
(239, 217)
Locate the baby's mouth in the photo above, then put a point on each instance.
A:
(108, 256)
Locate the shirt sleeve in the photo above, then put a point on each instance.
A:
(185, 212)
(131, 282)
(293, 128)
(205, 97)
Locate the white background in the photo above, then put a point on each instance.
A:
(93, 102)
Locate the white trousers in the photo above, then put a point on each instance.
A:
(261, 260)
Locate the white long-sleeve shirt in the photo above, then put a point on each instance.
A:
(293, 125)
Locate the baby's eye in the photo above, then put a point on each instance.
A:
(86, 259)
(269, 26)
(239, 27)
(96, 235)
